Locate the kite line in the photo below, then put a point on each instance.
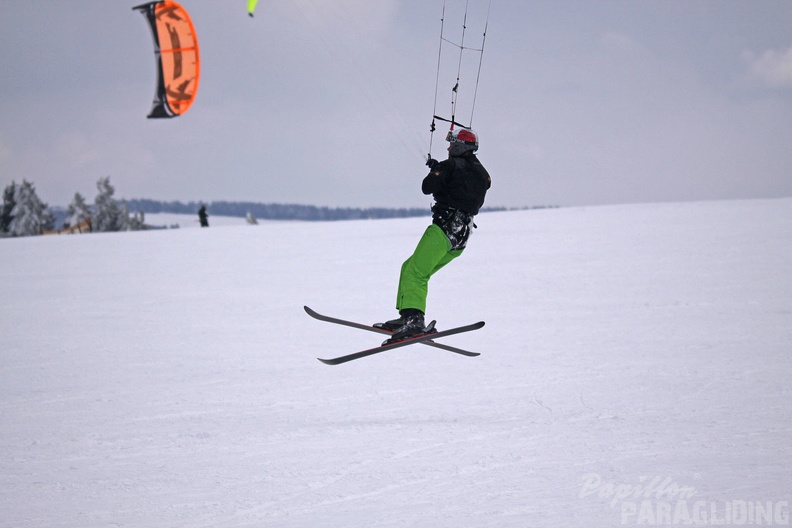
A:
(455, 90)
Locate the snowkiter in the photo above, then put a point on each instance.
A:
(458, 185)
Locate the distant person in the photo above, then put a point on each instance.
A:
(459, 185)
(203, 216)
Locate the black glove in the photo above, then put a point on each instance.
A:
(431, 162)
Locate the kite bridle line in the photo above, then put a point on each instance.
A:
(455, 89)
(437, 81)
(481, 59)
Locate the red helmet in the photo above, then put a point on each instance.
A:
(462, 140)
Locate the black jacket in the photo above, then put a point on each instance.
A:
(459, 185)
(460, 182)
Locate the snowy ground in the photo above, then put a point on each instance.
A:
(635, 370)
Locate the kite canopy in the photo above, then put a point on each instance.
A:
(176, 52)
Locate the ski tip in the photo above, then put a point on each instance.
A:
(334, 361)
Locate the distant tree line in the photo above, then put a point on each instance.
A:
(273, 211)
(24, 214)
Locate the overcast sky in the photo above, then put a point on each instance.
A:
(329, 102)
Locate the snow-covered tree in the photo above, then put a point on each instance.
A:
(8, 206)
(137, 221)
(123, 217)
(78, 211)
(107, 214)
(30, 214)
(48, 219)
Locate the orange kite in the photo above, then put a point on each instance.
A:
(176, 52)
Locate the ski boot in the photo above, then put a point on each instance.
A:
(410, 324)
(393, 324)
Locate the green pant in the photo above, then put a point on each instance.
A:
(432, 253)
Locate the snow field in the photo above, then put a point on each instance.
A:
(168, 378)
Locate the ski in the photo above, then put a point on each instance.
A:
(422, 338)
(370, 328)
